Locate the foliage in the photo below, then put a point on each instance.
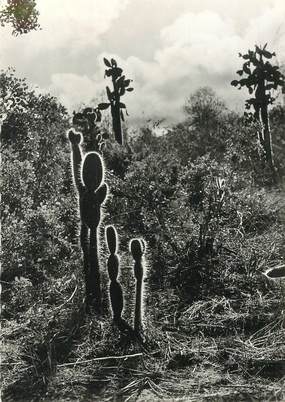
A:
(22, 15)
(204, 109)
(205, 129)
(213, 225)
(35, 181)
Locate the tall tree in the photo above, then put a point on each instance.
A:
(206, 114)
(204, 108)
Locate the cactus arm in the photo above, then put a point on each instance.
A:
(76, 163)
(75, 140)
(101, 193)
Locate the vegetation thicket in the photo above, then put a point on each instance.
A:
(196, 311)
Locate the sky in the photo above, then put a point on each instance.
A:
(169, 48)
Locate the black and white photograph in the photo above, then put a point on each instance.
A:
(142, 188)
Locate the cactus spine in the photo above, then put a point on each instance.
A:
(137, 247)
(116, 293)
(92, 192)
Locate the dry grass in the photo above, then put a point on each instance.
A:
(188, 361)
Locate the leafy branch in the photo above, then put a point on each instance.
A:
(21, 14)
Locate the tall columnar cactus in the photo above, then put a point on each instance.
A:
(116, 293)
(137, 247)
(92, 192)
(120, 86)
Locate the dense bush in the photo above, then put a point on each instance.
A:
(199, 194)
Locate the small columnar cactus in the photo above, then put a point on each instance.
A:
(92, 192)
(116, 293)
(137, 247)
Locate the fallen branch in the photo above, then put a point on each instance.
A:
(100, 359)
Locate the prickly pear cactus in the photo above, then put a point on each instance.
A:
(137, 247)
(120, 86)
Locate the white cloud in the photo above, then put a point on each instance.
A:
(202, 49)
(199, 47)
(67, 25)
(194, 28)
(269, 27)
(70, 22)
(72, 89)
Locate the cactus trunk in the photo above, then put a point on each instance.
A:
(94, 279)
(117, 125)
(85, 250)
(138, 307)
(117, 301)
(137, 247)
(267, 140)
